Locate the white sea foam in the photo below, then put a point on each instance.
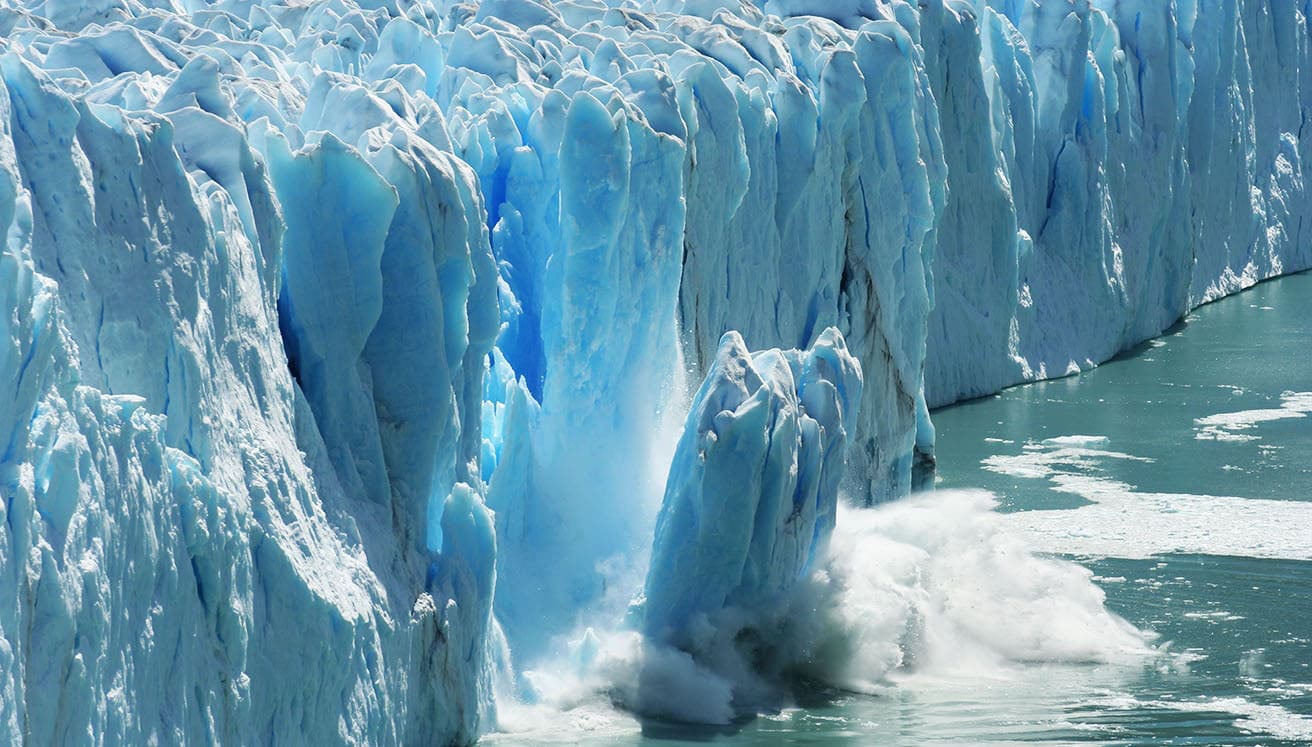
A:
(930, 588)
(1233, 426)
(1056, 457)
(1255, 718)
(1121, 521)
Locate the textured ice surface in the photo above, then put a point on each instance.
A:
(288, 290)
(753, 491)
(1112, 164)
(206, 537)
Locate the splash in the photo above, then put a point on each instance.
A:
(935, 586)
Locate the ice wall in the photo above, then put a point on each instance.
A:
(291, 290)
(244, 363)
(1112, 165)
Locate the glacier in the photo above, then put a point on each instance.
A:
(349, 344)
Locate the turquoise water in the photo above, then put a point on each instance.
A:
(1180, 476)
(1210, 515)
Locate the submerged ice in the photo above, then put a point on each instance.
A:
(344, 343)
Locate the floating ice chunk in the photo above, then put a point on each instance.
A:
(1120, 520)
(1077, 441)
(1232, 426)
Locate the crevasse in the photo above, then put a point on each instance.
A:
(339, 337)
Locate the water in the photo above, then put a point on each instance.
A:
(1193, 509)
(1180, 475)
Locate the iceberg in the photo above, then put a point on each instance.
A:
(345, 344)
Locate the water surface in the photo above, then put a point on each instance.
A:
(1181, 475)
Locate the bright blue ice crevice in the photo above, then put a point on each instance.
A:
(388, 313)
(386, 303)
(574, 469)
(753, 490)
(332, 296)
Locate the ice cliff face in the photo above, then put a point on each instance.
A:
(334, 333)
(244, 377)
(1112, 165)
